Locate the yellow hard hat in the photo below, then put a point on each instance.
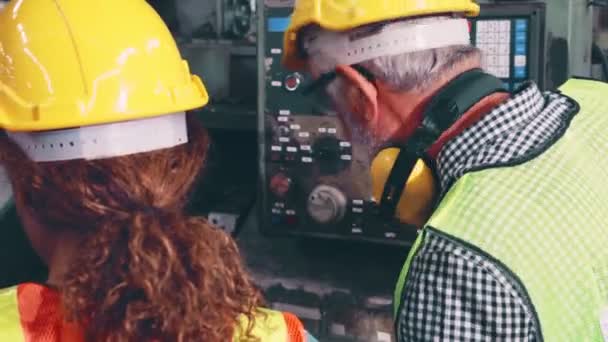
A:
(72, 63)
(342, 15)
(416, 201)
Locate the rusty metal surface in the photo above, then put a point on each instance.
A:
(341, 290)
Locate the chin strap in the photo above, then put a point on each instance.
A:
(450, 104)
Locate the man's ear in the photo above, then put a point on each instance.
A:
(364, 96)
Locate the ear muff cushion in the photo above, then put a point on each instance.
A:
(412, 185)
(403, 183)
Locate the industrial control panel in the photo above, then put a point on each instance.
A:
(511, 38)
(315, 181)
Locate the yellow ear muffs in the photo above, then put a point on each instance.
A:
(403, 179)
(417, 194)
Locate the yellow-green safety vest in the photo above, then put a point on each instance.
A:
(545, 222)
(270, 326)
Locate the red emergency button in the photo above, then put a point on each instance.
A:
(292, 82)
(280, 184)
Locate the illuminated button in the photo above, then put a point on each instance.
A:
(521, 25)
(346, 149)
(383, 336)
(292, 82)
(521, 38)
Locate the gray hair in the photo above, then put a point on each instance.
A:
(408, 71)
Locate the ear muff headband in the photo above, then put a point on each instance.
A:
(447, 107)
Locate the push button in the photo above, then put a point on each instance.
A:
(292, 82)
(280, 185)
(291, 220)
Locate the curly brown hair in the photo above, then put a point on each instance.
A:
(145, 270)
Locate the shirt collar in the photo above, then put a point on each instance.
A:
(500, 126)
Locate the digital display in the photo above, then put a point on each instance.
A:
(504, 46)
(278, 24)
(493, 38)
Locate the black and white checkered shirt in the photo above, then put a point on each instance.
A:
(453, 293)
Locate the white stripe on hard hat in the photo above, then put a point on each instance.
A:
(104, 141)
(392, 39)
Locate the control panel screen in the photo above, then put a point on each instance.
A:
(277, 24)
(315, 171)
(504, 43)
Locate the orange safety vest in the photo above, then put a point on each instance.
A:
(31, 313)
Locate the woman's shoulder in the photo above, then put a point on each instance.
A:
(270, 325)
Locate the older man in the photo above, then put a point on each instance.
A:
(516, 249)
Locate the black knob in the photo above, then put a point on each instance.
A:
(327, 152)
(326, 149)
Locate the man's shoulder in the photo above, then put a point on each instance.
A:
(7, 290)
(458, 254)
(446, 271)
(580, 86)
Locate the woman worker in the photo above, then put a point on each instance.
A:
(101, 157)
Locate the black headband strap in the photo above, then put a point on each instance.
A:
(449, 105)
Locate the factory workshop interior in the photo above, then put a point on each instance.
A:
(314, 204)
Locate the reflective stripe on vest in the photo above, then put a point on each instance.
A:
(19, 319)
(269, 326)
(10, 328)
(546, 221)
